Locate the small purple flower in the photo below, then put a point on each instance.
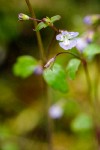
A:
(55, 111)
(89, 20)
(67, 39)
(38, 70)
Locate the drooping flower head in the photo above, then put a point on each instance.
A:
(67, 40)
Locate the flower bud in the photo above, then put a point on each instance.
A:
(50, 62)
(22, 17)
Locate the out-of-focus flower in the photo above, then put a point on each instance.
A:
(38, 70)
(81, 44)
(89, 20)
(84, 40)
(67, 39)
(23, 17)
(55, 111)
(89, 36)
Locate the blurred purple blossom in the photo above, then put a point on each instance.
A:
(38, 70)
(67, 39)
(81, 44)
(55, 111)
(84, 40)
(89, 20)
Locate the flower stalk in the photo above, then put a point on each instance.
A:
(41, 48)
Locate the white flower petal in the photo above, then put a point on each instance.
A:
(64, 32)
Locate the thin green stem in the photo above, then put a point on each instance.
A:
(49, 120)
(94, 105)
(37, 33)
(43, 83)
(97, 80)
(76, 56)
(35, 19)
(54, 28)
(88, 81)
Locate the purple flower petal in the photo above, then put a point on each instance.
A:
(72, 43)
(64, 32)
(73, 34)
(59, 37)
(67, 39)
(88, 20)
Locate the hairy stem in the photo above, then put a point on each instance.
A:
(37, 33)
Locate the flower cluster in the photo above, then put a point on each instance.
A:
(67, 40)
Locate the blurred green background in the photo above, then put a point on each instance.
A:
(23, 123)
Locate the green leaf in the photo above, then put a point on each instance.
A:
(47, 21)
(56, 78)
(81, 123)
(55, 18)
(72, 67)
(91, 50)
(24, 66)
(40, 26)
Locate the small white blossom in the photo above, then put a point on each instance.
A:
(55, 111)
(67, 40)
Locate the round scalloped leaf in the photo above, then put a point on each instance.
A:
(24, 66)
(56, 78)
(91, 50)
(81, 123)
(72, 68)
